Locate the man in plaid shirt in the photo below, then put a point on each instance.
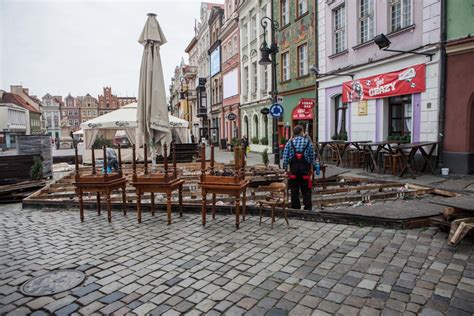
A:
(299, 155)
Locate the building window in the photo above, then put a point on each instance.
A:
(303, 60)
(400, 112)
(255, 123)
(70, 122)
(340, 116)
(246, 78)
(400, 14)
(285, 66)
(245, 34)
(254, 70)
(285, 12)
(76, 122)
(366, 20)
(339, 15)
(235, 44)
(253, 28)
(302, 7)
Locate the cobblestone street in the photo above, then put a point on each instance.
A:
(309, 269)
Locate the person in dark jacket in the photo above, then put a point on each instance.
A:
(299, 156)
(244, 143)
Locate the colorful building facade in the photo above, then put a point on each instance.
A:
(370, 106)
(458, 144)
(296, 41)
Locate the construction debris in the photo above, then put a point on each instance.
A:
(11, 193)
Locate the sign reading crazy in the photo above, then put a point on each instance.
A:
(405, 81)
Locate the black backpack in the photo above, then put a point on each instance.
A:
(298, 164)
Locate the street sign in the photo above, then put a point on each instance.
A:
(231, 116)
(280, 99)
(276, 110)
(265, 111)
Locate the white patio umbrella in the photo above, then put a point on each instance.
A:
(152, 116)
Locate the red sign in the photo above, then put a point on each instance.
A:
(304, 110)
(405, 81)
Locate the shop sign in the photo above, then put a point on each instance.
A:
(231, 116)
(304, 110)
(405, 81)
(362, 108)
(306, 103)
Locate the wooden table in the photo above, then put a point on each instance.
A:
(99, 184)
(408, 151)
(238, 190)
(103, 183)
(161, 182)
(341, 150)
(157, 184)
(321, 145)
(379, 146)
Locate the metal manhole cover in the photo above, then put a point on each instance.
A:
(52, 283)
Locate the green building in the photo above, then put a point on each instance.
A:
(296, 41)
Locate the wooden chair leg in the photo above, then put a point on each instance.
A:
(152, 199)
(203, 207)
(124, 199)
(273, 214)
(213, 206)
(286, 215)
(260, 210)
(98, 203)
(109, 208)
(168, 207)
(139, 206)
(81, 206)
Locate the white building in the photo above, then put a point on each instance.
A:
(13, 122)
(406, 107)
(52, 115)
(255, 79)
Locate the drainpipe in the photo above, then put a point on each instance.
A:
(316, 85)
(442, 84)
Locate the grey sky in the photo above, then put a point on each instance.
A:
(80, 46)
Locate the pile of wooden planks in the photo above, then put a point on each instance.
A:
(12, 193)
(458, 215)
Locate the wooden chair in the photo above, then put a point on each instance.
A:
(277, 198)
(392, 161)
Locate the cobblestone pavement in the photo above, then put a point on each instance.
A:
(310, 269)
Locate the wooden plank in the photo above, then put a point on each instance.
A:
(459, 202)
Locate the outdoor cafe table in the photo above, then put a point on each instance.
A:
(408, 151)
(356, 143)
(321, 145)
(374, 148)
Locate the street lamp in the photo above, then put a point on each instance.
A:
(201, 97)
(265, 60)
(383, 43)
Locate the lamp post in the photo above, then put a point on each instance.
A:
(265, 60)
(201, 112)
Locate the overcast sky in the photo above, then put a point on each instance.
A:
(78, 46)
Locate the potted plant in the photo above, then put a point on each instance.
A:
(255, 140)
(264, 141)
(334, 137)
(265, 159)
(342, 136)
(234, 142)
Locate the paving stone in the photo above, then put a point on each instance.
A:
(91, 308)
(115, 296)
(276, 312)
(39, 302)
(347, 310)
(367, 284)
(300, 310)
(67, 310)
(247, 303)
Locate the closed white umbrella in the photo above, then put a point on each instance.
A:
(152, 115)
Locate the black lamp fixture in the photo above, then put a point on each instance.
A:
(315, 71)
(268, 57)
(383, 43)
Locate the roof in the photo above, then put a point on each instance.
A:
(9, 97)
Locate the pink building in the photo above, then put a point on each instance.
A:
(231, 73)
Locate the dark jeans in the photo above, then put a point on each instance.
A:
(113, 163)
(297, 185)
